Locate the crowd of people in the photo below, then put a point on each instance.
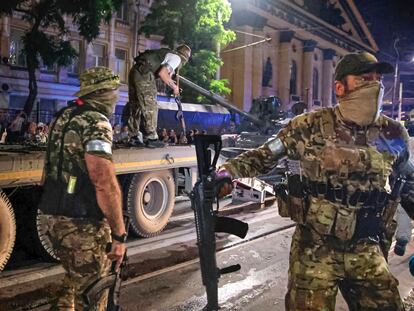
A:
(122, 135)
(21, 130)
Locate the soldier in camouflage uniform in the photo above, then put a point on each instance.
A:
(340, 160)
(81, 203)
(142, 90)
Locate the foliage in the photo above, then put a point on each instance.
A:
(200, 24)
(44, 15)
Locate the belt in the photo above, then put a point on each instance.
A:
(340, 194)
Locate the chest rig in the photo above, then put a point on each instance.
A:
(344, 175)
(76, 197)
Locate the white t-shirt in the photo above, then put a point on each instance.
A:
(172, 61)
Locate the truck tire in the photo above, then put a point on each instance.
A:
(7, 229)
(45, 250)
(150, 202)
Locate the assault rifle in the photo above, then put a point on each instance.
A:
(207, 220)
(179, 116)
(112, 281)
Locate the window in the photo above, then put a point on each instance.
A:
(45, 68)
(122, 13)
(73, 69)
(98, 54)
(315, 84)
(293, 77)
(120, 63)
(17, 56)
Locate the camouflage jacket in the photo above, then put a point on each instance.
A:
(67, 189)
(331, 152)
(311, 138)
(88, 126)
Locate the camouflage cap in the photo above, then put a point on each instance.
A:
(97, 78)
(359, 63)
(184, 51)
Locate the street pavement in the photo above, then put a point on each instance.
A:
(259, 286)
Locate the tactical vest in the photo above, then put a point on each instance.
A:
(344, 174)
(150, 60)
(76, 197)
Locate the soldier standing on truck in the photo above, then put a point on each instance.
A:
(81, 204)
(340, 160)
(142, 90)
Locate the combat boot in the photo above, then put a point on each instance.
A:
(399, 248)
(154, 143)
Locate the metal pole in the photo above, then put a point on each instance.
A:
(400, 102)
(396, 78)
(219, 100)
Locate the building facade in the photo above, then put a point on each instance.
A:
(115, 47)
(296, 64)
(307, 38)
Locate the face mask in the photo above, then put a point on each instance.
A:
(362, 105)
(103, 101)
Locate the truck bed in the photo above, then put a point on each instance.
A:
(23, 165)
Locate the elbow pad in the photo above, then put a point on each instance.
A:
(276, 146)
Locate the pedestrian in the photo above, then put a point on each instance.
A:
(16, 128)
(142, 90)
(404, 231)
(340, 159)
(172, 137)
(124, 135)
(81, 205)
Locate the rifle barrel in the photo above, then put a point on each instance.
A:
(219, 100)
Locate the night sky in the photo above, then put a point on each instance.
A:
(387, 20)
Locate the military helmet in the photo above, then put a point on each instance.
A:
(97, 78)
(359, 63)
(184, 51)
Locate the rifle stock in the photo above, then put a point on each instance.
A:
(206, 218)
(112, 281)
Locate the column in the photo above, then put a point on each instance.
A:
(284, 63)
(270, 49)
(5, 37)
(111, 45)
(257, 67)
(308, 55)
(327, 77)
(242, 83)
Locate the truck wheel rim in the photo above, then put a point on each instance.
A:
(154, 198)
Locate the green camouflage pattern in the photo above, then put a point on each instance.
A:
(90, 125)
(81, 246)
(97, 78)
(359, 63)
(317, 267)
(331, 151)
(142, 92)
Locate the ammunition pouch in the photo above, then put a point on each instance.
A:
(79, 202)
(289, 205)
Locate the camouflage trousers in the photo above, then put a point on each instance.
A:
(81, 246)
(143, 107)
(318, 267)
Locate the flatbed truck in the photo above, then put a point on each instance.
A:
(150, 179)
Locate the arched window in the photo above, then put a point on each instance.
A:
(293, 77)
(315, 84)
